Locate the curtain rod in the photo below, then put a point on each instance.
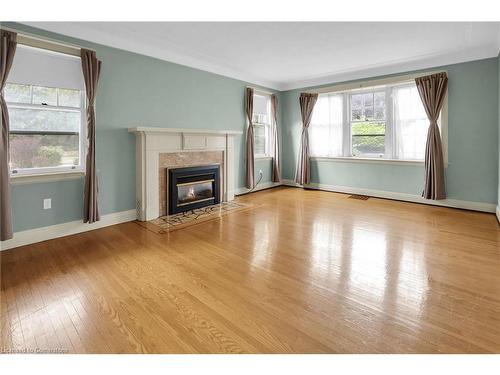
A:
(43, 40)
(261, 91)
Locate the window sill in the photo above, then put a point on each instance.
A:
(22, 179)
(346, 159)
(263, 157)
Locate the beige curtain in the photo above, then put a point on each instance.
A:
(8, 44)
(275, 146)
(91, 70)
(250, 179)
(303, 173)
(432, 90)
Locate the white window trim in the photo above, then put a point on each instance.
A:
(267, 128)
(45, 171)
(359, 87)
(48, 173)
(267, 144)
(263, 157)
(369, 85)
(33, 40)
(46, 177)
(356, 159)
(348, 123)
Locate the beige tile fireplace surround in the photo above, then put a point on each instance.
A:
(158, 149)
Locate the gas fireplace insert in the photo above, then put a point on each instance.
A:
(193, 187)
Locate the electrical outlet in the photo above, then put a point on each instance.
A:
(47, 204)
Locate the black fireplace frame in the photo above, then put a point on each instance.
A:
(192, 174)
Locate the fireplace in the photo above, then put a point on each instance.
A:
(193, 187)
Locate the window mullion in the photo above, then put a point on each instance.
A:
(330, 133)
(346, 134)
(396, 130)
(268, 139)
(389, 125)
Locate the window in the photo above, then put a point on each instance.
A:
(326, 126)
(386, 122)
(45, 127)
(368, 124)
(261, 120)
(411, 123)
(46, 104)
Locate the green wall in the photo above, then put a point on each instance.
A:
(135, 90)
(473, 138)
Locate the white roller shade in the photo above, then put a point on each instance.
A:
(39, 67)
(260, 103)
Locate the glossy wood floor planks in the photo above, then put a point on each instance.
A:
(303, 272)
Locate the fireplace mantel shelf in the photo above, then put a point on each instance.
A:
(182, 130)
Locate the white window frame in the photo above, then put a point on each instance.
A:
(80, 169)
(267, 128)
(379, 85)
(267, 143)
(349, 122)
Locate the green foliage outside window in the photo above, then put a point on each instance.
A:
(368, 138)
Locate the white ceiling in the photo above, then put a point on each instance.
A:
(286, 55)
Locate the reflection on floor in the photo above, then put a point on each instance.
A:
(305, 271)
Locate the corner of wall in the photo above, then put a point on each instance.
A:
(498, 150)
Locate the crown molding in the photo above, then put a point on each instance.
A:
(166, 53)
(419, 63)
(206, 63)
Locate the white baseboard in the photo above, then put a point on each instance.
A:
(262, 186)
(453, 203)
(31, 236)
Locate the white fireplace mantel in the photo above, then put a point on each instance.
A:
(184, 131)
(151, 142)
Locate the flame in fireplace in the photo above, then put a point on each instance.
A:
(190, 193)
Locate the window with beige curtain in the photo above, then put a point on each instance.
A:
(262, 122)
(46, 101)
(384, 122)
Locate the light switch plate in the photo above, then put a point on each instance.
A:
(47, 204)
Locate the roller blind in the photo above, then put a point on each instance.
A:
(39, 67)
(260, 104)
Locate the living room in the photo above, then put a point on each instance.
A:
(250, 187)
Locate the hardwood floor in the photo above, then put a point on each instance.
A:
(304, 272)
